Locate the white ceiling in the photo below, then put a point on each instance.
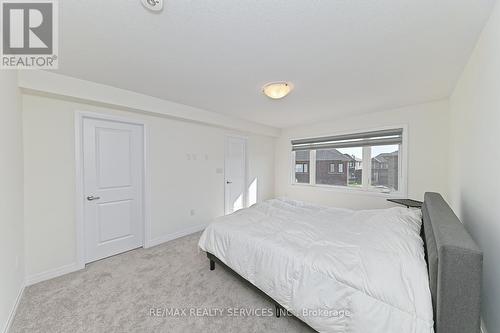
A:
(343, 56)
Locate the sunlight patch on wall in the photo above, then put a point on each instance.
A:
(238, 203)
(252, 193)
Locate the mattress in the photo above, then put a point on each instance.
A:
(337, 270)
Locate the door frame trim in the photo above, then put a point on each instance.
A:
(245, 183)
(79, 181)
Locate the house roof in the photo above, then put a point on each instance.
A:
(385, 156)
(331, 155)
(335, 155)
(302, 155)
(323, 155)
(353, 158)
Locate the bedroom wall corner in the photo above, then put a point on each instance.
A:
(11, 199)
(475, 131)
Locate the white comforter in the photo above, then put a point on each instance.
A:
(337, 270)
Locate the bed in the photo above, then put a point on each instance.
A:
(340, 270)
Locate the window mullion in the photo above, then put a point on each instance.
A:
(312, 167)
(366, 174)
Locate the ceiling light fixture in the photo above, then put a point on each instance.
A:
(277, 90)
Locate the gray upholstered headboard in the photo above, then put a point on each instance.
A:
(455, 268)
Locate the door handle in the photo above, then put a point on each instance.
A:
(91, 198)
(228, 182)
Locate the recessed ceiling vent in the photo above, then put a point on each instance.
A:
(154, 5)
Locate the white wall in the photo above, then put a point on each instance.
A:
(11, 197)
(428, 129)
(38, 81)
(179, 184)
(475, 156)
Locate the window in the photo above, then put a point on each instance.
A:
(385, 168)
(302, 167)
(332, 168)
(369, 161)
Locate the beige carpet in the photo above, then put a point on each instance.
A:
(117, 294)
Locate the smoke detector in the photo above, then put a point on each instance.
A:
(154, 5)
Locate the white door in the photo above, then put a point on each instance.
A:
(235, 174)
(113, 161)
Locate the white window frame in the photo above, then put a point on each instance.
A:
(341, 168)
(366, 189)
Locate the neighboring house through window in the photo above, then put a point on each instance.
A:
(369, 161)
(302, 175)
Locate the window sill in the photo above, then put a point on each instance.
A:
(354, 190)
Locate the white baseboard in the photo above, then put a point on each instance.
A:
(52, 273)
(178, 234)
(13, 311)
(73, 267)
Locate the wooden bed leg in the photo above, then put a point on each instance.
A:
(212, 265)
(278, 310)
